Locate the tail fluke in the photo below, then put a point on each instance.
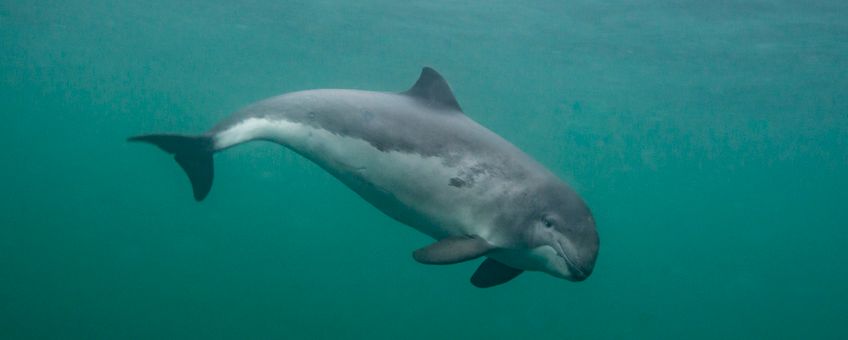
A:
(192, 153)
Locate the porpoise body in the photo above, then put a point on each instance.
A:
(419, 159)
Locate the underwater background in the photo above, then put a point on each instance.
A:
(710, 139)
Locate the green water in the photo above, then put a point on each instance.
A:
(710, 140)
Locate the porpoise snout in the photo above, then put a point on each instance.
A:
(580, 273)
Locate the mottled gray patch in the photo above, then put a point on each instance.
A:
(457, 182)
(468, 176)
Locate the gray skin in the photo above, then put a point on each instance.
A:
(419, 159)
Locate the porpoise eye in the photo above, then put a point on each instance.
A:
(548, 223)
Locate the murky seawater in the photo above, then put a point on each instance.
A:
(710, 140)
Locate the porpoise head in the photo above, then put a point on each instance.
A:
(555, 231)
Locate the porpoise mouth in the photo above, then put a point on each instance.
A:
(577, 273)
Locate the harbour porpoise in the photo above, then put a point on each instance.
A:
(415, 156)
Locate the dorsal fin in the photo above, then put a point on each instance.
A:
(433, 89)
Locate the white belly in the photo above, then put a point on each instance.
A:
(415, 182)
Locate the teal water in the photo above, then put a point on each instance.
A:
(709, 138)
